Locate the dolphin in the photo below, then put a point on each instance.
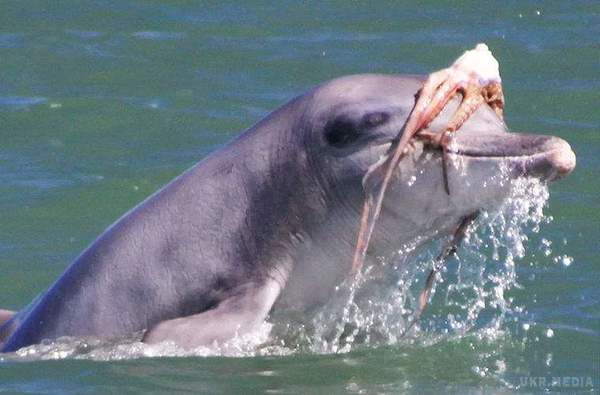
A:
(268, 222)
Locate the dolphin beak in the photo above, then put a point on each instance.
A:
(545, 157)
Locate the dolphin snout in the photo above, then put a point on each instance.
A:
(554, 159)
(547, 157)
(561, 158)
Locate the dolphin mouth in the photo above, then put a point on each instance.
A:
(546, 157)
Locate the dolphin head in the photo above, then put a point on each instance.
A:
(354, 121)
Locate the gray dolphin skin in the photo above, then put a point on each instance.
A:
(269, 222)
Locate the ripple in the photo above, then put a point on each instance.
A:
(154, 103)
(320, 38)
(85, 33)
(567, 123)
(158, 35)
(20, 170)
(21, 102)
(11, 40)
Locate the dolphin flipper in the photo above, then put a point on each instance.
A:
(240, 313)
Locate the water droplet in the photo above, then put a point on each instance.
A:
(500, 366)
(567, 260)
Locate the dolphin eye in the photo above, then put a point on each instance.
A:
(341, 131)
(374, 119)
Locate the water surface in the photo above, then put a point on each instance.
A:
(102, 102)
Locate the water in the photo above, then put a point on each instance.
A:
(102, 103)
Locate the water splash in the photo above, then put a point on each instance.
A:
(471, 297)
(469, 300)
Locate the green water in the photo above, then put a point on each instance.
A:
(103, 102)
